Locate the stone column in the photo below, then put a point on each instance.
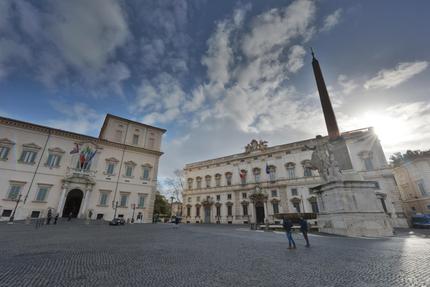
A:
(61, 202)
(85, 201)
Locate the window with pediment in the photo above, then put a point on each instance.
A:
(217, 179)
(242, 174)
(257, 173)
(190, 183)
(146, 171)
(208, 181)
(129, 168)
(199, 182)
(111, 164)
(307, 168)
(291, 170)
(29, 153)
(367, 159)
(272, 172)
(54, 157)
(5, 148)
(228, 178)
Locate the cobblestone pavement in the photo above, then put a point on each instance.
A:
(73, 254)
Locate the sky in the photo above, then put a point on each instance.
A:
(217, 74)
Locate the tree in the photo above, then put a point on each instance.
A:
(161, 205)
(398, 158)
(175, 184)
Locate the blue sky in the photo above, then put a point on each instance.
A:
(216, 74)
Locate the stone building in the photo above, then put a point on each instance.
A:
(413, 180)
(222, 190)
(44, 168)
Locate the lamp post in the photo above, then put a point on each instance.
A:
(14, 210)
(171, 207)
(115, 208)
(134, 208)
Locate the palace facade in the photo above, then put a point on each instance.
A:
(43, 168)
(222, 190)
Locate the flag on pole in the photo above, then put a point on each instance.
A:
(267, 169)
(242, 173)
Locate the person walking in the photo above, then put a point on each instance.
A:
(304, 229)
(176, 221)
(56, 218)
(48, 221)
(70, 216)
(288, 226)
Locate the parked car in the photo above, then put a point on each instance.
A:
(117, 221)
(421, 221)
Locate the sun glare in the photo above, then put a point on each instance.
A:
(390, 130)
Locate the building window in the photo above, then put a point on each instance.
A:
(275, 206)
(128, 170)
(28, 156)
(141, 201)
(110, 168)
(103, 198)
(228, 177)
(294, 192)
(14, 191)
(189, 199)
(256, 171)
(118, 135)
(42, 193)
(314, 205)
(244, 195)
(35, 214)
(190, 183)
(188, 211)
(53, 160)
(4, 151)
(197, 211)
(296, 205)
(146, 170)
(217, 179)
(151, 142)
(245, 209)
(218, 197)
(198, 199)
(274, 193)
(6, 212)
(242, 175)
(291, 170)
(135, 139)
(229, 196)
(368, 164)
(208, 181)
(421, 187)
(123, 200)
(229, 210)
(218, 211)
(272, 172)
(199, 182)
(307, 171)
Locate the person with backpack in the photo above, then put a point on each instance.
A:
(288, 226)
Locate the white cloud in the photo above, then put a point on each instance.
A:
(295, 58)
(386, 79)
(399, 127)
(348, 85)
(332, 20)
(77, 118)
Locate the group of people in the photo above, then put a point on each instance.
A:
(49, 217)
(288, 226)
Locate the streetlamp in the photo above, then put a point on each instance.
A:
(171, 207)
(134, 208)
(115, 207)
(14, 210)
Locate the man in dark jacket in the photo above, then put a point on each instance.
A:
(288, 225)
(49, 216)
(304, 229)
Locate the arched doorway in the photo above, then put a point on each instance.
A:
(259, 212)
(207, 214)
(73, 203)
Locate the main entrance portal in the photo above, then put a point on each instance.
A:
(259, 211)
(73, 203)
(207, 214)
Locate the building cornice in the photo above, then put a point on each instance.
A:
(71, 135)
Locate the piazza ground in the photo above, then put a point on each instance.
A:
(75, 254)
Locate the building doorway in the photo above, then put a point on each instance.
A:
(259, 212)
(207, 214)
(73, 203)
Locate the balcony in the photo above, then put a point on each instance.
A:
(83, 173)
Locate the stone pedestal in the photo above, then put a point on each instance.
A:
(351, 208)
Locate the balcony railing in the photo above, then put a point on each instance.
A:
(80, 172)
